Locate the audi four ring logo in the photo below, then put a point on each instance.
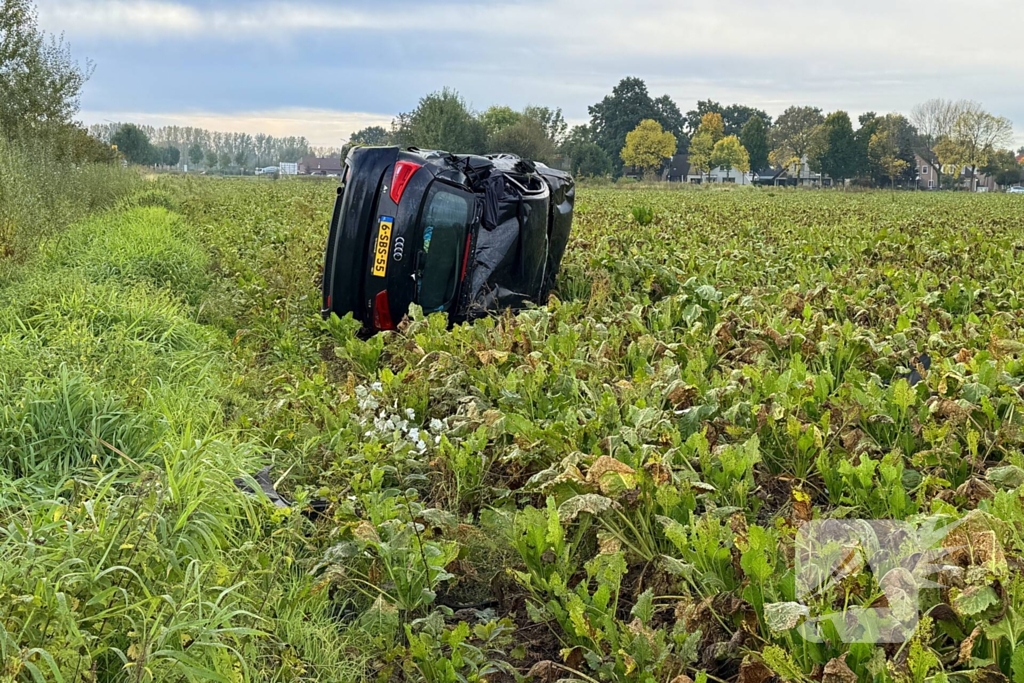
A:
(399, 248)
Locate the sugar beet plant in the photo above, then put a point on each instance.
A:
(611, 487)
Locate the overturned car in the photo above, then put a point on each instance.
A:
(463, 234)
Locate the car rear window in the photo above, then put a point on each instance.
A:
(446, 216)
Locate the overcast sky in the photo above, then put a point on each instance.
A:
(326, 68)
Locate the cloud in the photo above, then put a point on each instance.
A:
(382, 55)
(321, 127)
(146, 20)
(120, 19)
(820, 34)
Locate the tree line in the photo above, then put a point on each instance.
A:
(40, 88)
(202, 148)
(631, 129)
(40, 85)
(443, 120)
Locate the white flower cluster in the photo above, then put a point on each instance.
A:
(387, 421)
(367, 396)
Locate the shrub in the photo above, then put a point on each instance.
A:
(43, 192)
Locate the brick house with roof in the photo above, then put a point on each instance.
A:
(314, 165)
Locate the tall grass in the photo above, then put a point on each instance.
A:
(41, 193)
(128, 554)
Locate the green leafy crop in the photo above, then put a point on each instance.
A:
(609, 487)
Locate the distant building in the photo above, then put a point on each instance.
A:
(801, 174)
(771, 176)
(679, 170)
(313, 165)
(928, 178)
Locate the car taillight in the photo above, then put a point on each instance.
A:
(404, 170)
(382, 312)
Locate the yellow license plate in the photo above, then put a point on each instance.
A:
(380, 254)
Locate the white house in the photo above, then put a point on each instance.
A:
(680, 171)
(801, 174)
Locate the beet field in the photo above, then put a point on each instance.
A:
(753, 436)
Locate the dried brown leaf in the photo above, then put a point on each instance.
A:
(836, 671)
(607, 465)
(492, 356)
(975, 490)
(754, 671)
(967, 647)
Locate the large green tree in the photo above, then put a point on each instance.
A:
(616, 115)
(888, 144)
(648, 146)
(734, 117)
(40, 83)
(895, 129)
(702, 146)
(170, 155)
(729, 153)
(551, 120)
(792, 135)
(667, 113)
(884, 151)
(869, 122)
(534, 133)
(754, 137)
(586, 157)
(975, 136)
(1003, 167)
(195, 154)
(133, 143)
(442, 120)
(526, 138)
(497, 118)
(577, 136)
(370, 136)
(834, 149)
(588, 160)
